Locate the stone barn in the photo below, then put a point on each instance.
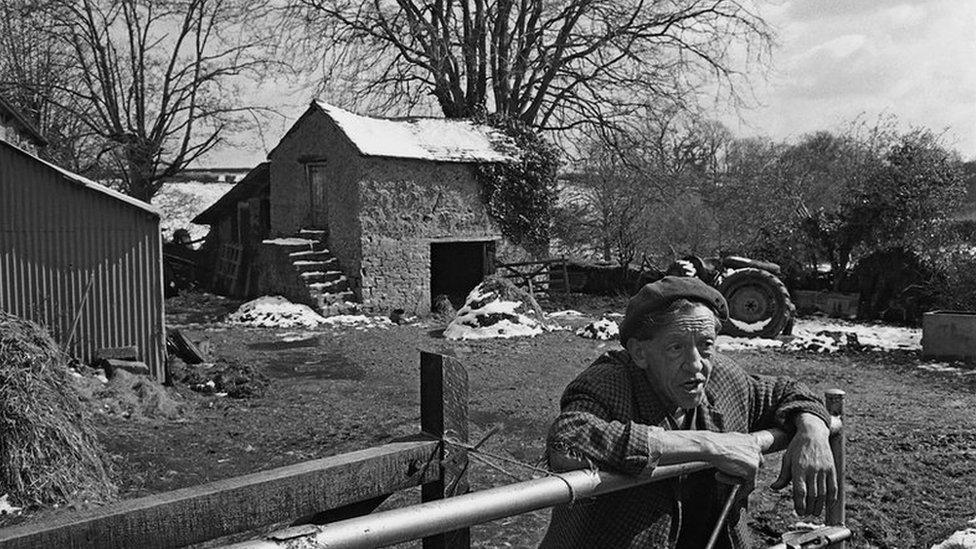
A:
(384, 212)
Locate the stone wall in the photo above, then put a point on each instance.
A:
(315, 138)
(405, 205)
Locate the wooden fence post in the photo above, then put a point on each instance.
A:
(835, 513)
(444, 414)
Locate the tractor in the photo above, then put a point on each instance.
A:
(759, 303)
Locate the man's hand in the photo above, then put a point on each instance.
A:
(737, 455)
(809, 464)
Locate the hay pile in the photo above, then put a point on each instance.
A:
(48, 450)
(127, 395)
(496, 308)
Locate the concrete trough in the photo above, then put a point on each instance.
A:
(949, 335)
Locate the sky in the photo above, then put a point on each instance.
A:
(838, 59)
(835, 60)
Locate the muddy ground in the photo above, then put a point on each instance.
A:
(911, 445)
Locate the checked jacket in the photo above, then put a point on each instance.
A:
(607, 414)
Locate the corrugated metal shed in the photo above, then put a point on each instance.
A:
(80, 259)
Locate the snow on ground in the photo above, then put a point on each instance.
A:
(179, 202)
(829, 335)
(963, 539)
(359, 322)
(880, 336)
(486, 315)
(278, 312)
(566, 313)
(603, 329)
(944, 368)
(275, 312)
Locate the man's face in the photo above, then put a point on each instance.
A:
(677, 360)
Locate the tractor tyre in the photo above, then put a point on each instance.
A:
(759, 304)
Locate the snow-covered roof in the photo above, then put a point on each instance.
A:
(435, 139)
(88, 183)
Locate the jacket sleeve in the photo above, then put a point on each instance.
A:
(585, 432)
(775, 401)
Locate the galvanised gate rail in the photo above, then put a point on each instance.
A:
(426, 519)
(328, 501)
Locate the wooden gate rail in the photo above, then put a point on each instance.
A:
(317, 491)
(538, 277)
(240, 504)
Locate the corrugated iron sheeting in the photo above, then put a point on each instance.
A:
(83, 264)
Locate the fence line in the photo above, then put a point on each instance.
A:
(426, 519)
(331, 490)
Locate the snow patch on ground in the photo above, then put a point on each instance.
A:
(359, 321)
(943, 368)
(829, 335)
(179, 202)
(603, 329)
(486, 315)
(566, 313)
(879, 336)
(275, 312)
(727, 343)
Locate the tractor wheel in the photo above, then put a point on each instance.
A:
(759, 304)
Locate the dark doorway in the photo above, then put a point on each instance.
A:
(457, 267)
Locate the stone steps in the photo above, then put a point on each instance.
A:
(311, 255)
(316, 277)
(308, 266)
(339, 284)
(314, 234)
(319, 270)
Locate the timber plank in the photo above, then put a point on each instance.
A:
(444, 414)
(216, 509)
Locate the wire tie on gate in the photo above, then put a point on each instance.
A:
(483, 455)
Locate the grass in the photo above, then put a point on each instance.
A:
(911, 445)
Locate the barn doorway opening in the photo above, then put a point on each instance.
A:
(457, 267)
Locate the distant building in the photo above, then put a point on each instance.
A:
(212, 175)
(80, 259)
(384, 212)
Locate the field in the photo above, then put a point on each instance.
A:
(912, 433)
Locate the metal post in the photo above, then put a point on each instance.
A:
(835, 513)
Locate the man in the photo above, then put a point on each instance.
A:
(670, 398)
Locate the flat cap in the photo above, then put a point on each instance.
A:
(656, 296)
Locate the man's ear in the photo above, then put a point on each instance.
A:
(637, 352)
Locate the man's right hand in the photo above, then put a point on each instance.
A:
(738, 455)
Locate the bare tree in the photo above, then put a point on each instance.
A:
(152, 81)
(555, 65)
(31, 77)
